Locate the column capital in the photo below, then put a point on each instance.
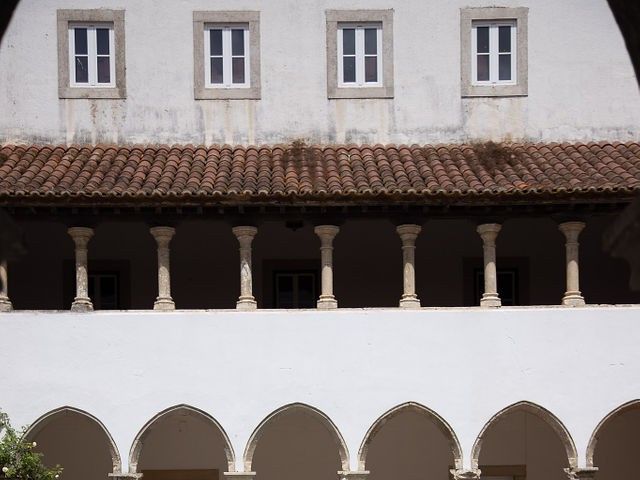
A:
(571, 230)
(362, 475)
(488, 230)
(575, 473)
(327, 231)
(80, 235)
(408, 231)
(245, 231)
(161, 233)
(465, 474)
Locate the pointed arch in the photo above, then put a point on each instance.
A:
(440, 422)
(593, 441)
(324, 419)
(138, 442)
(44, 420)
(540, 412)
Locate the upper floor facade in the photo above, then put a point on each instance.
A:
(378, 71)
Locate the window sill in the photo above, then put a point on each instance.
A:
(519, 90)
(360, 92)
(90, 92)
(227, 93)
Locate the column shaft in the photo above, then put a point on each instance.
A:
(489, 232)
(81, 237)
(327, 233)
(571, 231)
(5, 303)
(245, 236)
(163, 236)
(408, 234)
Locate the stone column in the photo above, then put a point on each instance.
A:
(489, 232)
(245, 236)
(465, 474)
(571, 231)
(5, 303)
(81, 237)
(408, 234)
(581, 473)
(327, 233)
(163, 236)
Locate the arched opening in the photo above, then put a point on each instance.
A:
(411, 442)
(615, 443)
(524, 441)
(182, 442)
(296, 441)
(77, 441)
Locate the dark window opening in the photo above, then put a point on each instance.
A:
(295, 289)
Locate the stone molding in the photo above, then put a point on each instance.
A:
(240, 475)
(581, 473)
(361, 475)
(465, 474)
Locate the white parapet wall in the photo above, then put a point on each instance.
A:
(353, 365)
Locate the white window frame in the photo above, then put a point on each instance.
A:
(227, 56)
(92, 54)
(494, 54)
(360, 54)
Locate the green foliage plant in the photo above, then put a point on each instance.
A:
(18, 459)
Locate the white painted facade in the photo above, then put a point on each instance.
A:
(464, 364)
(581, 82)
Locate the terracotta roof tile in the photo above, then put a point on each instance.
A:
(328, 173)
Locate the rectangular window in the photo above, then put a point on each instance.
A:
(226, 50)
(91, 55)
(295, 289)
(507, 285)
(493, 50)
(359, 55)
(103, 290)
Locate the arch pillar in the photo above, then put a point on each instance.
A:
(581, 473)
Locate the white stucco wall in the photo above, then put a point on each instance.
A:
(581, 83)
(353, 365)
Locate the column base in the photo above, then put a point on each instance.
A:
(124, 476)
(581, 473)
(5, 305)
(364, 475)
(82, 305)
(465, 474)
(490, 300)
(164, 304)
(410, 301)
(573, 299)
(327, 303)
(246, 303)
(240, 475)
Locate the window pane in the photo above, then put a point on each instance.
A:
(215, 38)
(306, 294)
(80, 39)
(237, 42)
(348, 41)
(504, 67)
(82, 69)
(103, 41)
(238, 70)
(349, 69)
(370, 41)
(216, 70)
(504, 41)
(104, 71)
(483, 68)
(108, 292)
(371, 69)
(483, 39)
(284, 291)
